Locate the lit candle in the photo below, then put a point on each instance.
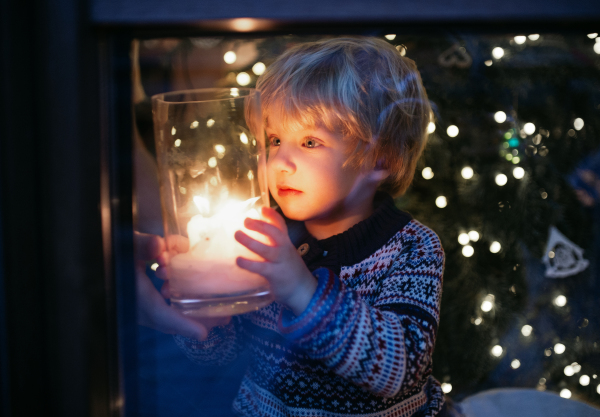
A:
(209, 270)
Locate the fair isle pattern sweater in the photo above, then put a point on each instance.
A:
(363, 345)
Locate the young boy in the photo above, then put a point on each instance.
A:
(357, 282)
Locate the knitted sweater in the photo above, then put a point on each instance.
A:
(363, 345)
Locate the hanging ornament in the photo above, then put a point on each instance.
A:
(562, 258)
(457, 56)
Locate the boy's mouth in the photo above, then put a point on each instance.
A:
(285, 191)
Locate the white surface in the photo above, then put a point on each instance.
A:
(516, 402)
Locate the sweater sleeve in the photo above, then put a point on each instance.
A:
(384, 347)
(222, 345)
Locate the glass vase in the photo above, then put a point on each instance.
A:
(212, 172)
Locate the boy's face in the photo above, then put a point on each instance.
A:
(306, 174)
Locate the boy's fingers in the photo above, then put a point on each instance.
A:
(178, 244)
(266, 229)
(269, 253)
(147, 246)
(169, 320)
(260, 268)
(274, 218)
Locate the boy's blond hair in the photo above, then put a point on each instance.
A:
(362, 87)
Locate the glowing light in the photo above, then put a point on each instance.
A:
(194, 124)
(212, 162)
(173, 131)
(478, 321)
(548, 352)
(559, 348)
(598, 389)
(446, 387)
(495, 247)
(210, 123)
(473, 235)
(259, 68)
(501, 179)
(544, 195)
(560, 301)
(467, 173)
(244, 138)
(488, 303)
(515, 363)
(520, 40)
(497, 52)
(244, 24)
(584, 380)
(154, 266)
(526, 330)
(177, 143)
(183, 190)
(529, 128)
(431, 127)
(500, 117)
(463, 238)
(220, 148)
(390, 37)
(576, 367)
(401, 49)
(516, 160)
(441, 201)
(488, 63)
(565, 393)
(452, 131)
(497, 351)
(427, 173)
(213, 181)
(508, 157)
(230, 57)
(534, 37)
(518, 173)
(569, 370)
(578, 124)
(235, 92)
(468, 251)
(243, 78)
(597, 47)
(592, 35)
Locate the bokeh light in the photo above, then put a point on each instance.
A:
(212, 162)
(529, 128)
(427, 173)
(473, 235)
(259, 68)
(230, 57)
(565, 393)
(390, 37)
(468, 251)
(495, 247)
(520, 39)
(559, 348)
(441, 201)
(534, 37)
(578, 124)
(497, 351)
(431, 127)
(584, 380)
(560, 301)
(177, 143)
(526, 330)
(467, 173)
(497, 52)
(515, 363)
(501, 179)
(243, 78)
(518, 173)
(463, 238)
(500, 117)
(452, 131)
(446, 388)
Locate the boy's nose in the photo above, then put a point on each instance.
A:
(283, 161)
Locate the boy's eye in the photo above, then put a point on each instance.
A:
(311, 143)
(275, 141)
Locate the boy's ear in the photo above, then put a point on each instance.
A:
(378, 174)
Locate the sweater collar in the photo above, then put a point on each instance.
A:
(355, 244)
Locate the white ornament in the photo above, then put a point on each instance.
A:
(562, 258)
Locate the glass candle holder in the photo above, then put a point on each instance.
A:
(210, 146)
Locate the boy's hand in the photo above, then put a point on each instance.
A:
(292, 284)
(153, 311)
